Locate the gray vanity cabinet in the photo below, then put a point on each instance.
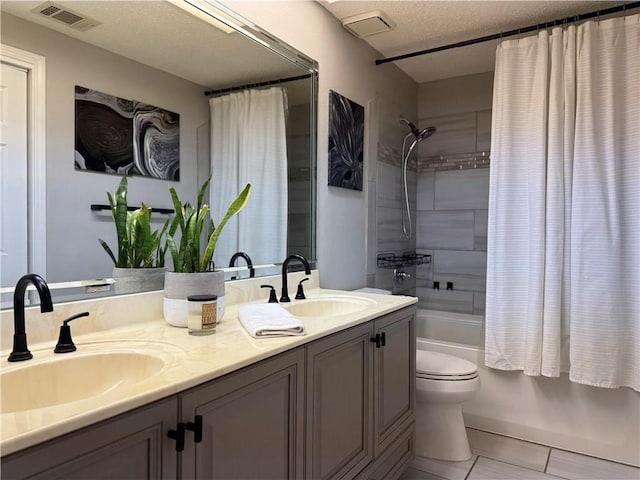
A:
(252, 423)
(360, 400)
(341, 407)
(339, 404)
(130, 446)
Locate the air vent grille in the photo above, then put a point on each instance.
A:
(50, 10)
(66, 16)
(367, 24)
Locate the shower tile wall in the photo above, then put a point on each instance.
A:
(452, 204)
(454, 232)
(386, 197)
(390, 238)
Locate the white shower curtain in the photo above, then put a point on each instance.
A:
(563, 260)
(249, 145)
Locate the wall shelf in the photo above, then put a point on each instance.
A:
(164, 211)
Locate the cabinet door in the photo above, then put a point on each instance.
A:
(395, 367)
(252, 423)
(130, 446)
(339, 404)
(392, 463)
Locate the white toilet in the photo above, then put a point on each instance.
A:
(443, 382)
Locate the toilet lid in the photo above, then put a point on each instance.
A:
(441, 364)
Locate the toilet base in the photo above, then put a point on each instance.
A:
(440, 432)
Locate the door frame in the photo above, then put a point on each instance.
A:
(36, 152)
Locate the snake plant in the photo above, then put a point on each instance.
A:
(138, 246)
(187, 256)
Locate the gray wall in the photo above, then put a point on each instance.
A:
(452, 203)
(73, 251)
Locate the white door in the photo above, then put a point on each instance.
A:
(13, 175)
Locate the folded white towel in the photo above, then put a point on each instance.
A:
(269, 320)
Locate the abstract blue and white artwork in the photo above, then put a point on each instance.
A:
(125, 137)
(346, 142)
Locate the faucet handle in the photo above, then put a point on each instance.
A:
(300, 292)
(272, 294)
(65, 343)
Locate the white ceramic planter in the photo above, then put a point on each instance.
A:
(179, 286)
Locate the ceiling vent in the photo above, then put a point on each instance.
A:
(66, 16)
(367, 24)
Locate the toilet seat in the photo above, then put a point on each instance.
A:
(447, 378)
(440, 366)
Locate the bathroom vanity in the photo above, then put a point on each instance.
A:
(335, 403)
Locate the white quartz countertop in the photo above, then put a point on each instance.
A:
(189, 361)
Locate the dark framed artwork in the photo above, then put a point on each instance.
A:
(346, 142)
(125, 137)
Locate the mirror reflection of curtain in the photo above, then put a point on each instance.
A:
(248, 145)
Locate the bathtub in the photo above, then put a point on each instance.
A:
(550, 411)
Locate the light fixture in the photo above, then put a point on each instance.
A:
(203, 11)
(367, 24)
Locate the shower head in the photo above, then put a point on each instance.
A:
(419, 134)
(425, 133)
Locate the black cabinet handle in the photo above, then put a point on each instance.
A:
(196, 428)
(178, 436)
(380, 339)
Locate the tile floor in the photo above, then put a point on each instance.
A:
(496, 457)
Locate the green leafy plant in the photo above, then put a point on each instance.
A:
(187, 256)
(138, 245)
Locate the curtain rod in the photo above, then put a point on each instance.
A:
(258, 84)
(518, 31)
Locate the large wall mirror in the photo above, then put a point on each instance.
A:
(175, 55)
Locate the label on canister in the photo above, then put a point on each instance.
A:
(209, 315)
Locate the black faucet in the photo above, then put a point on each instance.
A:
(285, 265)
(20, 351)
(232, 262)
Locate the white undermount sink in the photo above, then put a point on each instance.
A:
(330, 306)
(70, 377)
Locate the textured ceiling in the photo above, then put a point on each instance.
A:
(422, 24)
(165, 37)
